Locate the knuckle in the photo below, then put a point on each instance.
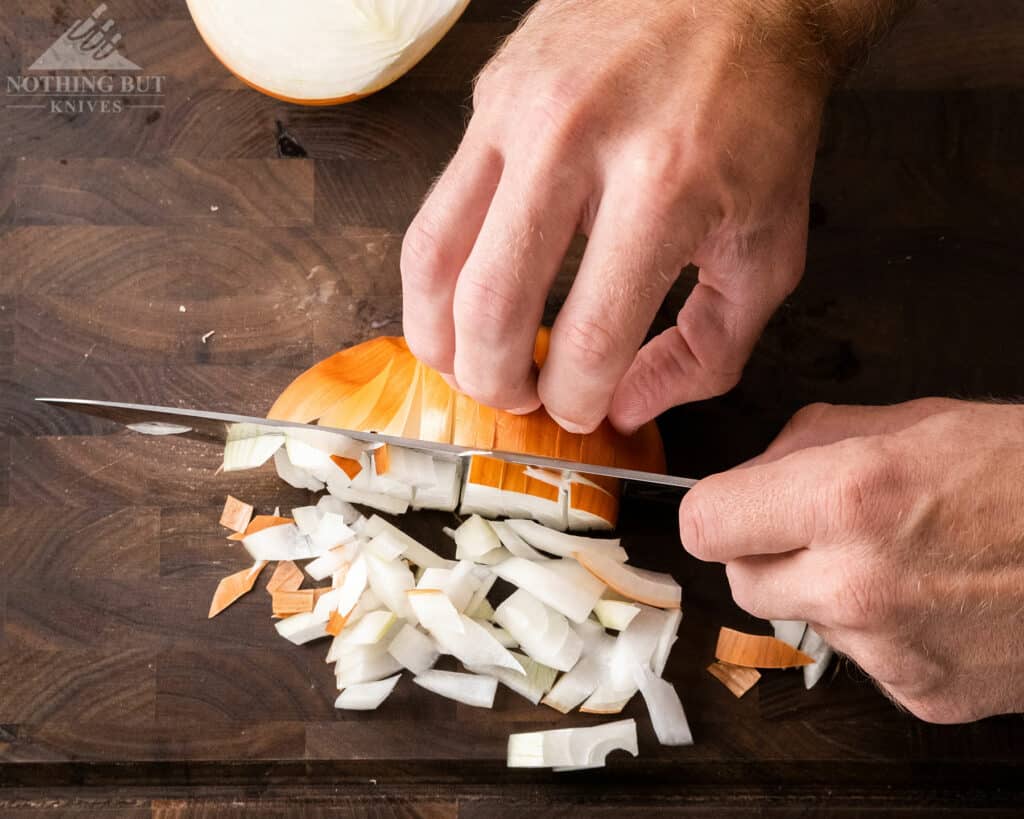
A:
(659, 167)
(696, 526)
(809, 416)
(590, 345)
(557, 114)
(484, 308)
(858, 491)
(424, 259)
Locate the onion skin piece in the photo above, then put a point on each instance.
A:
(757, 651)
(737, 679)
(236, 515)
(286, 577)
(258, 524)
(233, 587)
(632, 583)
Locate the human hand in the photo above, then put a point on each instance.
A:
(898, 533)
(668, 132)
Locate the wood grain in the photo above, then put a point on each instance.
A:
(175, 191)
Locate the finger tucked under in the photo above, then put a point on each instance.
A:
(778, 587)
(500, 294)
(436, 246)
(632, 259)
(719, 324)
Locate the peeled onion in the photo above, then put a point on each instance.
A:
(322, 52)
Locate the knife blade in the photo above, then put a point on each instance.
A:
(209, 426)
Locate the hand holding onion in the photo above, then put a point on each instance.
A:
(668, 132)
(898, 533)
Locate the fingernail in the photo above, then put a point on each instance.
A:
(570, 426)
(524, 410)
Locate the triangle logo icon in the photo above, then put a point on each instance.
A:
(88, 44)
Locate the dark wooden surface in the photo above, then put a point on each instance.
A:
(279, 228)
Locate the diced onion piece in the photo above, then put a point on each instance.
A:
(480, 610)
(499, 634)
(307, 518)
(462, 583)
(236, 514)
(544, 581)
(294, 475)
(737, 679)
(513, 542)
(413, 649)
(329, 503)
(234, 586)
(608, 699)
(332, 561)
(478, 605)
(434, 610)
(302, 628)
(475, 538)
(415, 552)
(283, 542)
(375, 500)
(572, 748)
(532, 684)
(470, 689)
(653, 588)
(249, 446)
(814, 646)
(366, 696)
(757, 651)
(637, 645)
(664, 706)
(386, 546)
(565, 545)
(390, 580)
(789, 631)
(543, 633)
(330, 533)
(667, 639)
(406, 466)
(615, 614)
(344, 598)
(286, 577)
(372, 628)
(366, 666)
(445, 492)
(474, 645)
(433, 578)
(576, 685)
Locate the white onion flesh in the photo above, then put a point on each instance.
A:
(415, 552)
(532, 684)
(470, 689)
(572, 748)
(566, 545)
(543, 633)
(815, 647)
(665, 708)
(434, 610)
(544, 580)
(413, 649)
(302, 628)
(790, 632)
(513, 542)
(366, 696)
(293, 475)
(475, 538)
(654, 588)
(375, 666)
(615, 614)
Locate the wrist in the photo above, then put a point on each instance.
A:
(822, 40)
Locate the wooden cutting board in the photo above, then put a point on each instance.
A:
(205, 252)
